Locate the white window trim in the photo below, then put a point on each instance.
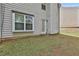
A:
(13, 24)
(13, 21)
(24, 23)
(33, 24)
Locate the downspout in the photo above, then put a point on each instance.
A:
(2, 19)
(59, 6)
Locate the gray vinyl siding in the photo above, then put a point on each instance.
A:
(53, 19)
(51, 14)
(0, 20)
(48, 18)
(7, 23)
(34, 9)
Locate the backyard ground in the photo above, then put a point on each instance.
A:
(48, 45)
(70, 31)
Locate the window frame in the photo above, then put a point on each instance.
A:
(43, 7)
(25, 30)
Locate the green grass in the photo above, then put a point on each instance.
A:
(70, 31)
(41, 45)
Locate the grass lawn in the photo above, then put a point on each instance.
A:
(76, 34)
(41, 46)
(70, 31)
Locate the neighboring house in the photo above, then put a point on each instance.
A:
(69, 16)
(28, 18)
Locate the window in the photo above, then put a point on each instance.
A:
(43, 7)
(23, 22)
(19, 21)
(29, 22)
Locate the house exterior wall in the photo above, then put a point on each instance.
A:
(48, 18)
(69, 17)
(0, 20)
(35, 9)
(53, 18)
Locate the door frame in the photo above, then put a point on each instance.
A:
(45, 24)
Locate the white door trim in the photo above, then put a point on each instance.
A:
(45, 28)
